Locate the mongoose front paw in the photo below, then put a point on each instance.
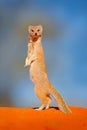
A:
(26, 63)
(25, 66)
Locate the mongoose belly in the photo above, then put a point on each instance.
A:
(38, 76)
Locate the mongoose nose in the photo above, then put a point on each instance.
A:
(35, 34)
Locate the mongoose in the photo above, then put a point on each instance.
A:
(38, 74)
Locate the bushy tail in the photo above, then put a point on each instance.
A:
(59, 99)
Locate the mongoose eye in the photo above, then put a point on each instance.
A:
(32, 30)
(38, 30)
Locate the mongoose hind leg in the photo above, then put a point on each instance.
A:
(46, 103)
(41, 107)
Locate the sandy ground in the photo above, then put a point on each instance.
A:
(51, 119)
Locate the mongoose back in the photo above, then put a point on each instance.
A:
(38, 74)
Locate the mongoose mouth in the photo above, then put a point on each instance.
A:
(34, 38)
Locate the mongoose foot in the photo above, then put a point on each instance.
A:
(41, 107)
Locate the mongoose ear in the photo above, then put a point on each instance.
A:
(29, 28)
(41, 28)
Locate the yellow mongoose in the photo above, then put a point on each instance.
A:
(35, 59)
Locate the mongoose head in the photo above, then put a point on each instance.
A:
(35, 32)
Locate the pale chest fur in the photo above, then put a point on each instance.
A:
(37, 68)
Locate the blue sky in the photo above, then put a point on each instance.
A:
(64, 43)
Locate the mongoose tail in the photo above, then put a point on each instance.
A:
(60, 101)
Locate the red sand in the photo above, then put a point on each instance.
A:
(51, 119)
